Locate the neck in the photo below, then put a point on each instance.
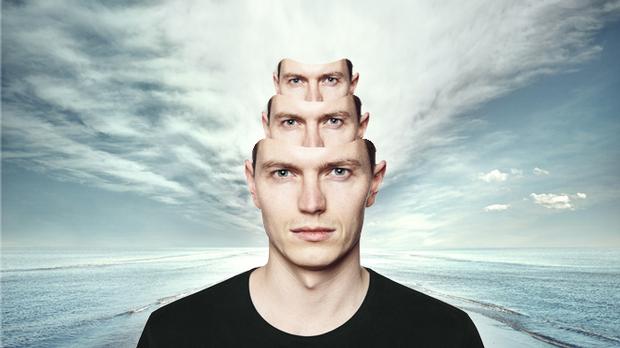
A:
(309, 301)
(313, 279)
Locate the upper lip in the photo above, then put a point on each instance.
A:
(312, 229)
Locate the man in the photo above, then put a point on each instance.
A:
(312, 292)
(315, 82)
(315, 123)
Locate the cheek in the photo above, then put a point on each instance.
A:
(290, 135)
(340, 90)
(348, 199)
(287, 89)
(276, 200)
(345, 134)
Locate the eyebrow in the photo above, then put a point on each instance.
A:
(340, 163)
(301, 75)
(341, 113)
(289, 75)
(279, 164)
(333, 73)
(280, 115)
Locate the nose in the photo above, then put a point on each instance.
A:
(311, 201)
(312, 137)
(313, 93)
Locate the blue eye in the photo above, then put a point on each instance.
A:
(295, 80)
(290, 122)
(334, 121)
(340, 171)
(330, 80)
(282, 173)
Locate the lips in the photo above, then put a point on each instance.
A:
(313, 233)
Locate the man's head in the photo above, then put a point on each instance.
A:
(314, 123)
(315, 82)
(312, 199)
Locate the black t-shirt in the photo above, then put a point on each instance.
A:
(391, 315)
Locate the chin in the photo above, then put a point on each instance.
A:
(316, 258)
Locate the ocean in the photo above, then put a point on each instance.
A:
(565, 297)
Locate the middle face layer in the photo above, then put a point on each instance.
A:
(312, 199)
(315, 124)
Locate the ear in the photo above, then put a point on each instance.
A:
(276, 83)
(377, 179)
(265, 123)
(363, 125)
(249, 177)
(354, 80)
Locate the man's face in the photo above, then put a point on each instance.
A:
(312, 199)
(314, 82)
(314, 124)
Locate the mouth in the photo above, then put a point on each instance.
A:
(313, 234)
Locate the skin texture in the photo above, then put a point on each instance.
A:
(314, 82)
(311, 287)
(314, 124)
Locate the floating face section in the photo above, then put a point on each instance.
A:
(315, 124)
(315, 82)
(312, 199)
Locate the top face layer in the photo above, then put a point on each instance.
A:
(315, 82)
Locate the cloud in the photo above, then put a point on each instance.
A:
(493, 176)
(539, 172)
(516, 173)
(496, 207)
(152, 98)
(556, 201)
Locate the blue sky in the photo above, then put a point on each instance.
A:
(127, 125)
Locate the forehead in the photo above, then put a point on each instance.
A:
(290, 66)
(292, 105)
(311, 158)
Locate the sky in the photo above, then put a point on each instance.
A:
(126, 123)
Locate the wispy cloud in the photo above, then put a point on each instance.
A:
(539, 172)
(556, 201)
(493, 176)
(163, 99)
(516, 173)
(496, 207)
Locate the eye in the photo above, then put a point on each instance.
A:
(291, 122)
(333, 121)
(331, 80)
(340, 172)
(294, 80)
(282, 173)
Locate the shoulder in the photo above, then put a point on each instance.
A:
(393, 294)
(208, 304)
(222, 308)
(406, 308)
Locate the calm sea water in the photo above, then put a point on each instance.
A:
(102, 298)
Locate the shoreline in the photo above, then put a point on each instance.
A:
(494, 333)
